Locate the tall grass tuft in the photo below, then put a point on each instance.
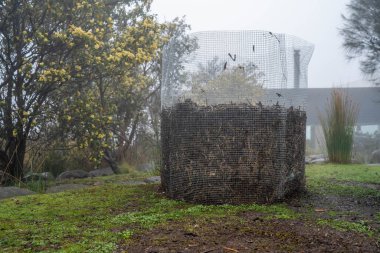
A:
(338, 125)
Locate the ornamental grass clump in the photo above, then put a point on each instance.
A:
(338, 123)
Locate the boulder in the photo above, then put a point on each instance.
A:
(38, 176)
(47, 175)
(101, 172)
(72, 174)
(318, 161)
(375, 156)
(12, 191)
(153, 180)
(146, 166)
(315, 159)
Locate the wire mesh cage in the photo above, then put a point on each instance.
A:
(233, 124)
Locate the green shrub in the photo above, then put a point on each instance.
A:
(59, 160)
(338, 125)
(38, 185)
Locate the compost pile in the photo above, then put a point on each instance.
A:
(232, 153)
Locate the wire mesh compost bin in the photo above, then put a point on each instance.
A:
(233, 122)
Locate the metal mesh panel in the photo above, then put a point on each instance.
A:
(233, 120)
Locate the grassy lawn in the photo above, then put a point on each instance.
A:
(99, 218)
(350, 172)
(344, 180)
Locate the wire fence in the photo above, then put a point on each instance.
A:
(229, 132)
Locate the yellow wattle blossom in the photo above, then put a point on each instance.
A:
(80, 33)
(42, 79)
(101, 136)
(154, 46)
(79, 5)
(147, 23)
(59, 35)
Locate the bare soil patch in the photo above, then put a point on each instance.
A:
(249, 233)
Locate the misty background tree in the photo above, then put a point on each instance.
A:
(361, 34)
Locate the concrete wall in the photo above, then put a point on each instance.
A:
(316, 99)
(368, 99)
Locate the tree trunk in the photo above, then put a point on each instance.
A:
(4, 164)
(111, 161)
(122, 150)
(16, 154)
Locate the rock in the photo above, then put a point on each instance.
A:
(318, 161)
(73, 174)
(146, 166)
(47, 175)
(315, 157)
(101, 172)
(12, 191)
(153, 180)
(65, 187)
(375, 156)
(39, 176)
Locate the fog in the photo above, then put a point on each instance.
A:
(317, 21)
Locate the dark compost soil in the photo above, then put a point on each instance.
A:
(232, 153)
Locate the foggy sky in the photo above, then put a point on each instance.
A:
(316, 21)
